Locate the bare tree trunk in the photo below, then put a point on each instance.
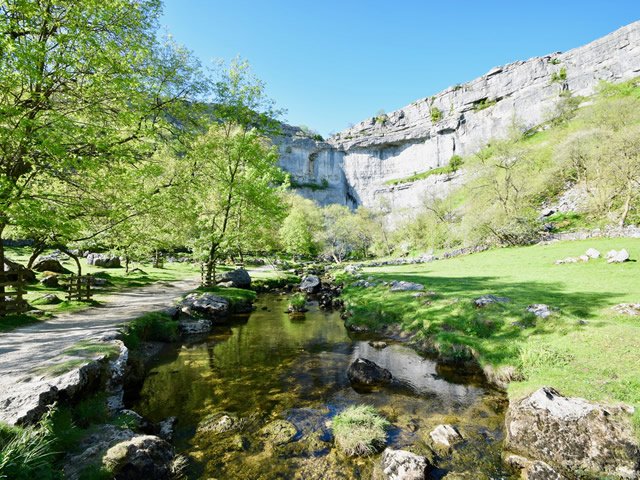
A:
(74, 256)
(126, 263)
(37, 251)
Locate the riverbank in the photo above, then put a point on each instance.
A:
(584, 347)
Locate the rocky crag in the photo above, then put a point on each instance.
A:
(355, 166)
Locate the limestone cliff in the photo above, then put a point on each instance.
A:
(354, 166)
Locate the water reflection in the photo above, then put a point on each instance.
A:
(271, 366)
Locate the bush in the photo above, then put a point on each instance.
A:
(359, 430)
(436, 114)
(297, 302)
(560, 76)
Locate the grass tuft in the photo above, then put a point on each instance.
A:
(359, 430)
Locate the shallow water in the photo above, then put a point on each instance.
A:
(269, 365)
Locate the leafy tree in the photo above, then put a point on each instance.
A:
(85, 86)
(232, 170)
(301, 229)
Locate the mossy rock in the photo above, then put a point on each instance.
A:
(278, 432)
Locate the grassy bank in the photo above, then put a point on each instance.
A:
(583, 349)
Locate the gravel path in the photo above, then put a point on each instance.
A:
(26, 349)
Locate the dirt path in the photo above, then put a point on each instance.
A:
(28, 348)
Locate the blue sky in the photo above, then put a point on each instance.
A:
(333, 63)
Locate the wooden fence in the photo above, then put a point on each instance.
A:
(78, 287)
(12, 301)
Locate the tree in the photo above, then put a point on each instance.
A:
(232, 188)
(83, 85)
(232, 169)
(301, 229)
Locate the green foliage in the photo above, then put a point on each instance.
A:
(27, 453)
(483, 104)
(630, 88)
(563, 221)
(150, 327)
(300, 230)
(453, 166)
(436, 114)
(323, 185)
(71, 164)
(313, 134)
(297, 302)
(359, 430)
(555, 61)
(381, 117)
(559, 76)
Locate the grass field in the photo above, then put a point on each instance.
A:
(584, 349)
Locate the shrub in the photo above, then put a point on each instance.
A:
(560, 76)
(483, 104)
(359, 430)
(436, 114)
(297, 302)
(455, 163)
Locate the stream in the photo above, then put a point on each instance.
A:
(269, 365)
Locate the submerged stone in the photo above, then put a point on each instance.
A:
(278, 432)
(366, 372)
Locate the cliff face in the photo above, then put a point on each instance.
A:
(355, 164)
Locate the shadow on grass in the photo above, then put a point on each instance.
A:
(447, 315)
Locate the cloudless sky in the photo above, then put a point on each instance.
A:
(333, 63)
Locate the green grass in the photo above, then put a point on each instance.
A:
(156, 326)
(568, 221)
(323, 185)
(359, 430)
(599, 360)
(10, 322)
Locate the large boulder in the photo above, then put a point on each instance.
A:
(614, 256)
(103, 260)
(533, 469)
(204, 305)
(311, 284)
(366, 372)
(194, 326)
(403, 465)
(572, 434)
(48, 264)
(238, 278)
(143, 456)
(12, 268)
(50, 281)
